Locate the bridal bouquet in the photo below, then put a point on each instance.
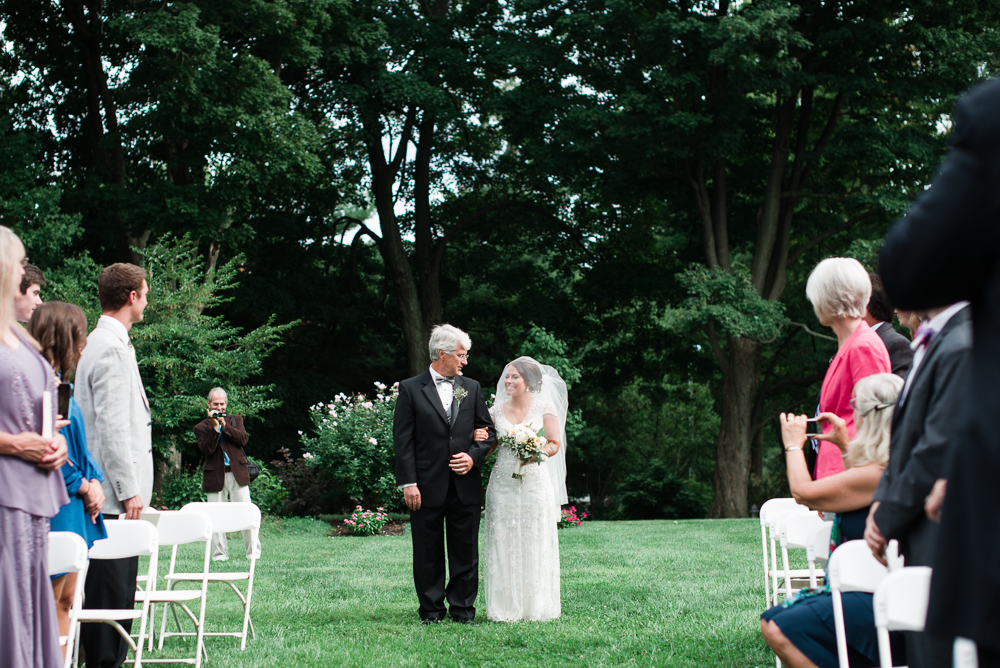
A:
(526, 443)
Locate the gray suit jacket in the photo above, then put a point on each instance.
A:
(923, 431)
(900, 353)
(116, 412)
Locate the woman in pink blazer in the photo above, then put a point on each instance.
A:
(839, 289)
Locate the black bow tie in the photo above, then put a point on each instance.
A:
(446, 379)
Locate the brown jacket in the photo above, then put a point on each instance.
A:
(233, 438)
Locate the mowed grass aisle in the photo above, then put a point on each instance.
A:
(651, 593)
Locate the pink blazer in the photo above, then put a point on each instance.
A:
(863, 355)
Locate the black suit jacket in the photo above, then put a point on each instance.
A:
(424, 441)
(922, 433)
(900, 353)
(948, 249)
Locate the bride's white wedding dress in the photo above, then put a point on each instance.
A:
(522, 543)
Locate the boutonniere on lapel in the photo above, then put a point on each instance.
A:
(460, 393)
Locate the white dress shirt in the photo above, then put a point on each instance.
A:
(445, 390)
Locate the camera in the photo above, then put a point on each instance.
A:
(218, 414)
(814, 427)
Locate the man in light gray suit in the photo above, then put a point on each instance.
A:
(110, 393)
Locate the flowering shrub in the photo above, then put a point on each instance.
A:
(306, 486)
(570, 518)
(366, 522)
(353, 445)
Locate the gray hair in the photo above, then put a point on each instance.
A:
(445, 338)
(217, 389)
(875, 396)
(839, 287)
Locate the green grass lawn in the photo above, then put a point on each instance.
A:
(651, 593)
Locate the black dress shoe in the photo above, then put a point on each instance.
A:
(467, 622)
(428, 622)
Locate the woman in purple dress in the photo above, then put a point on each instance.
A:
(31, 486)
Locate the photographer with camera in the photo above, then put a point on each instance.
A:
(221, 438)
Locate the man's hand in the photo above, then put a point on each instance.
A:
(461, 463)
(935, 500)
(133, 507)
(220, 423)
(56, 456)
(873, 536)
(411, 497)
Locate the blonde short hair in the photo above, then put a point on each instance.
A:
(839, 287)
(446, 338)
(875, 398)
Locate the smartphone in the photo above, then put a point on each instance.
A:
(64, 393)
(814, 426)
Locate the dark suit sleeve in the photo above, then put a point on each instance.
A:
(206, 436)
(480, 449)
(403, 437)
(941, 252)
(902, 499)
(900, 353)
(235, 432)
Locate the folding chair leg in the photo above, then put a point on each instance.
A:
(767, 584)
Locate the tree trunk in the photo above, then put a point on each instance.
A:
(732, 453)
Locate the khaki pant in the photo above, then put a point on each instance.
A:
(232, 491)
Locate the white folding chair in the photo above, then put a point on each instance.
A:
(794, 533)
(68, 554)
(775, 520)
(851, 568)
(126, 538)
(225, 517)
(901, 605)
(174, 529)
(818, 551)
(771, 506)
(966, 655)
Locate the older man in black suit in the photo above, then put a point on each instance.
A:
(946, 250)
(879, 316)
(922, 435)
(437, 466)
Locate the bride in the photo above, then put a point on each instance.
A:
(522, 546)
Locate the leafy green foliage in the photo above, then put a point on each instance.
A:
(656, 493)
(267, 491)
(353, 445)
(178, 487)
(183, 352)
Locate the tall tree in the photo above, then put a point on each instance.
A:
(769, 126)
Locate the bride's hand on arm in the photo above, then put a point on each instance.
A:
(480, 434)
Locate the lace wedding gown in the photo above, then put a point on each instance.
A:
(522, 545)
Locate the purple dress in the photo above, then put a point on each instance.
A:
(29, 496)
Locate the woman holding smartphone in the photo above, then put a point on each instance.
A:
(61, 331)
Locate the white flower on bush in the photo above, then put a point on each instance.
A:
(373, 441)
(307, 455)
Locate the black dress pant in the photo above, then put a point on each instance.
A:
(110, 584)
(428, 528)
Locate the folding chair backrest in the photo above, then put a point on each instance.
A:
(67, 552)
(818, 544)
(181, 528)
(796, 529)
(778, 517)
(227, 517)
(126, 538)
(772, 505)
(901, 599)
(853, 568)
